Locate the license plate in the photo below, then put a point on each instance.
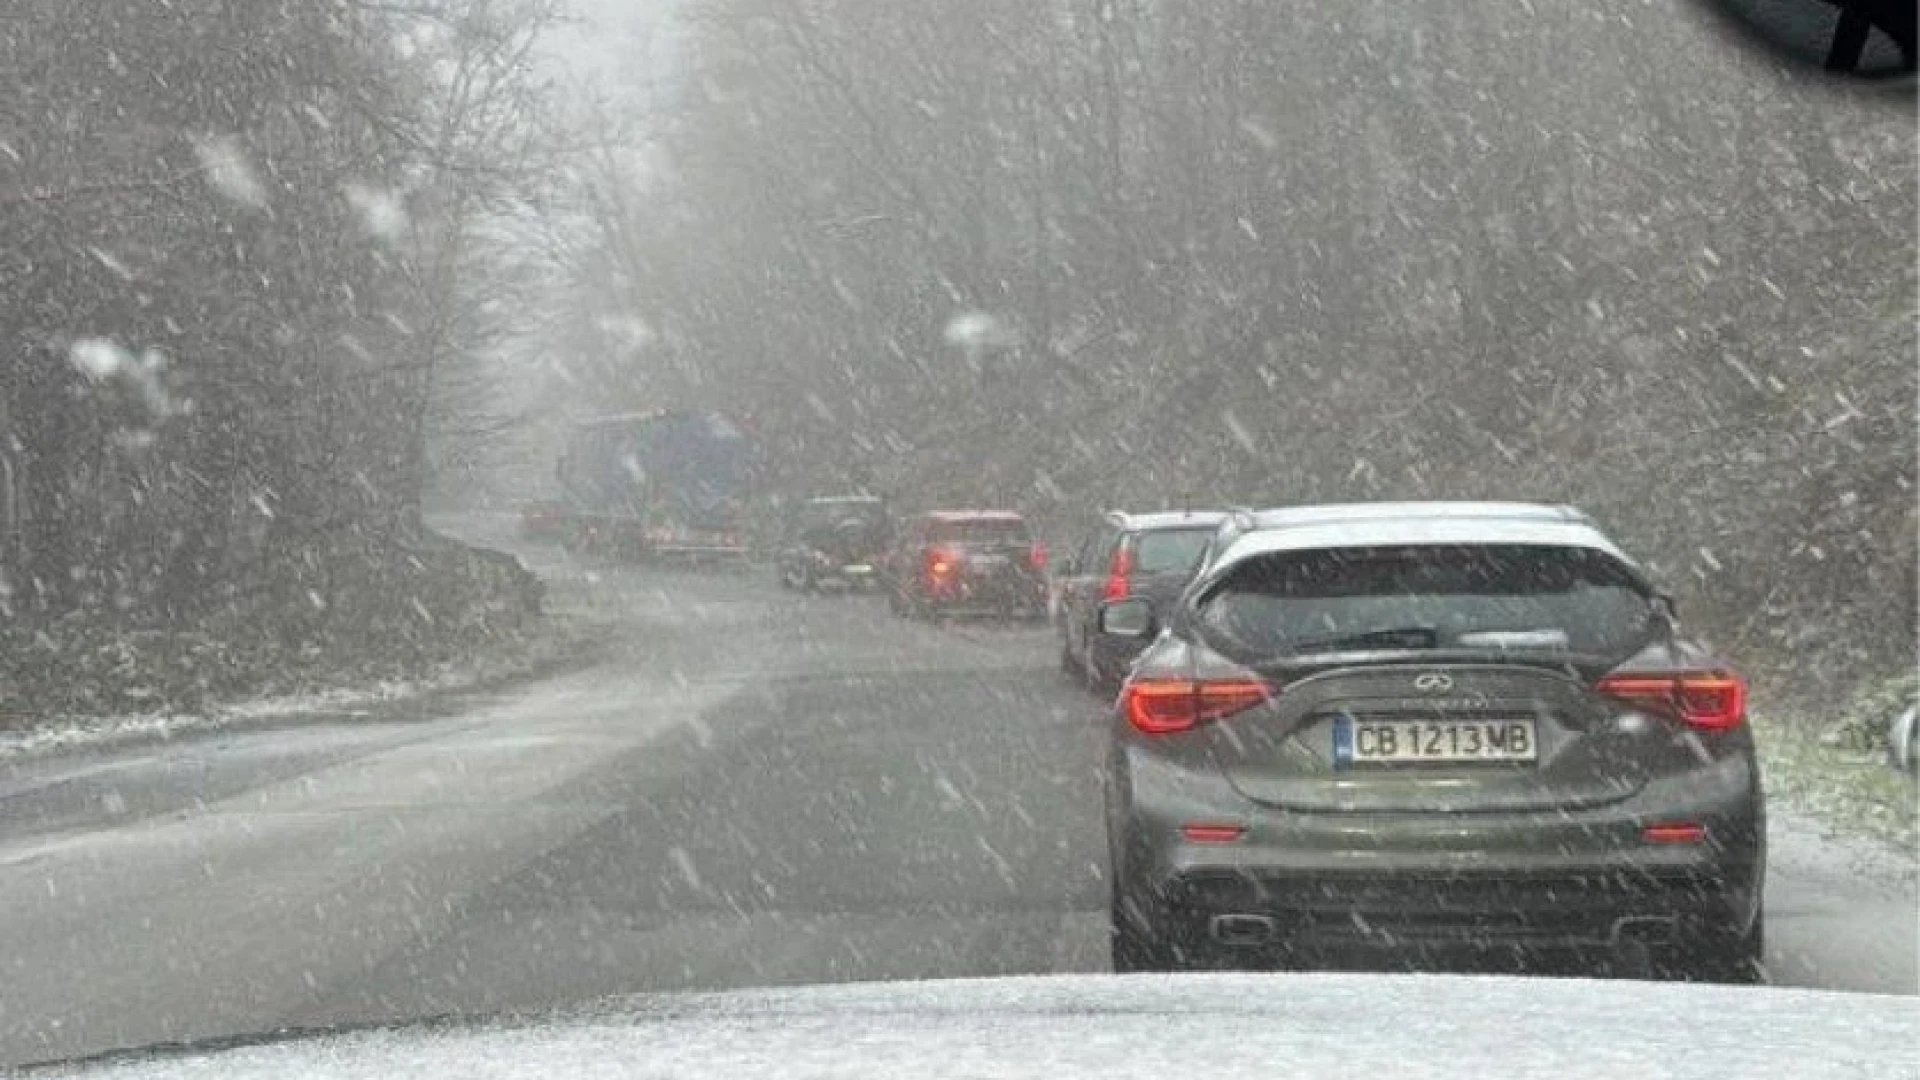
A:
(857, 570)
(987, 562)
(1392, 742)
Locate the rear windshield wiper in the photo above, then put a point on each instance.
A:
(1407, 637)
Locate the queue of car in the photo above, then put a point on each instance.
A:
(1409, 729)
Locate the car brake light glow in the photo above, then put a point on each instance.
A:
(1674, 832)
(1168, 706)
(940, 564)
(1037, 556)
(1213, 832)
(1119, 570)
(1705, 700)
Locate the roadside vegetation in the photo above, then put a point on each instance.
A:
(1073, 259)
(1838, 767)
(436, 611)
(254, 255)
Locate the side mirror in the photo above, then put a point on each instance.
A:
(1127, 619)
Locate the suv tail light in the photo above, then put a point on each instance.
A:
(1704, 700)
(941, 564)
(1167, 706)
(1037, 555)
(1119, 571)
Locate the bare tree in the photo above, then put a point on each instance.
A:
(1247, 254)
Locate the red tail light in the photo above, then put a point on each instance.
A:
(1706, 700)
(941, 564)
(1167, 706)
(1037, 556)
(1213, 832)
(1674, 832)
(1119, 570)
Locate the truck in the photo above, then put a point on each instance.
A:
(656, 484)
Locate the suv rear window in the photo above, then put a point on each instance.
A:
(1169, 551)
(1514, 596)
(979, 531)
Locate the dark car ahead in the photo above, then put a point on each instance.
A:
(834, 539)
(1148, 556)
(1426, 727)
(978, 562)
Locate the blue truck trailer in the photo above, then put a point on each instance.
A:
(663, 483)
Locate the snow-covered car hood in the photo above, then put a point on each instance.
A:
(1223, 1026)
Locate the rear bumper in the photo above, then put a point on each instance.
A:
(1466, 912)
(1554, 879)
(976, 609)
(988, 597)
(824, 566)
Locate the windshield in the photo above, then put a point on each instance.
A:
(1169, 551)
(1557, 599)
(511, 505)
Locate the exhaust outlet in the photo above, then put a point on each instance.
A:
(1242, 931)
(1644, 930)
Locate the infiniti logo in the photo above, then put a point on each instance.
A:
(1433, 682)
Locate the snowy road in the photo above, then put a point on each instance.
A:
(755, 789)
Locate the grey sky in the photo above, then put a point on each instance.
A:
(615, 46)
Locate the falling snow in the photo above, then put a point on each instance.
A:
(405, 607)
(230, 172)
(98, 359)
(381, 211)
